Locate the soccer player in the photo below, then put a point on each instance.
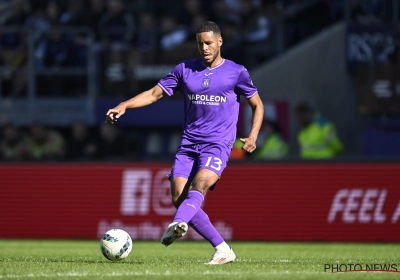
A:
(211, 87)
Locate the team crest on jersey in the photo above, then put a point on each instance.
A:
(206, 82)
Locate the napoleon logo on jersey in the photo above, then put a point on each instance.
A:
(206, 82)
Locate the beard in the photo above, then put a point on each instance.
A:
(215, 56)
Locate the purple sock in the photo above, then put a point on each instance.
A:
(203, 226)
(189, 207)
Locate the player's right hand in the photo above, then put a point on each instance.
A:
(114, 114)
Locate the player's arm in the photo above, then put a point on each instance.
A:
(143, 99)
(258, 115)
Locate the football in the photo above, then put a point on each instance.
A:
(116, 244)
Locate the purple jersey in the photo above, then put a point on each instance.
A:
(211, 97)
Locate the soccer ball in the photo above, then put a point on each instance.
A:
(116, 244)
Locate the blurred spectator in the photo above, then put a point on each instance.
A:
(336, 9)
(111, 143)
(13, 144)
(75, 15)
(18, 13)
(56, 49)
(256, 33)
(17, 18)
(147, 33)
(232, 47)
(300, 22)
(372, 11)
(146, 42)
(270, 144)
(12, 51)
(53, 51)
(254, 22)
(96, 12)
(53, 13)
(227, 10)
(45, 143)
(231, 9)
(196, 22)
(172, 34)
(81, 145)
(190, 9)
(37, 18)
(117, 26)
(317, 138)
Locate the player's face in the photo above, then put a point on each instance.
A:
(209, 45)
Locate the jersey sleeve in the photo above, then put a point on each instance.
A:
(245, 85)
(170, 83)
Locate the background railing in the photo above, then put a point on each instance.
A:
(32, 90)
(28, 102)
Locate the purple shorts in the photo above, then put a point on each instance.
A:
(190, 158)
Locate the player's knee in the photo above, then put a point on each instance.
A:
(201, 185)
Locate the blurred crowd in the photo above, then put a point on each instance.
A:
(151, 32)
(117, 35)
(41, 143)
(146, 26)
(80, 142)
(317, 139)
(159, 30)
(153, 27)
(114, 36)
(371, 11)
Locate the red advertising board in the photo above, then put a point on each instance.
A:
(282, 202)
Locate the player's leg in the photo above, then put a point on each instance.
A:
(203, 180)
(200, 222)
(212, 162)
(214, 157)
(179, 190)
(184, 167)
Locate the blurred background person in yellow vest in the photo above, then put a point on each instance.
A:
(317, 138)
(45, 143)
(12, 144)
(270, 145)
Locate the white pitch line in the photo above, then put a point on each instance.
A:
(146, 273)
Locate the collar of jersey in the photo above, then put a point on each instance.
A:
(216, 66)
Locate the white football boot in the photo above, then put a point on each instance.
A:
(173, 232)
(222, 257)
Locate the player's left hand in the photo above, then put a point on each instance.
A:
(249, 144)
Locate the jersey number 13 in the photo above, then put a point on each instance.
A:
(216, 163)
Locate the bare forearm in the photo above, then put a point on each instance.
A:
(143, 99)
(258, 116)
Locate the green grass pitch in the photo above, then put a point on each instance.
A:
(44, 259)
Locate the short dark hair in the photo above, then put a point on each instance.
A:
(209, 26)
